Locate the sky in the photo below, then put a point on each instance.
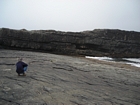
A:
(70, 15)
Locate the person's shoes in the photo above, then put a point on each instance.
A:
(24, 74)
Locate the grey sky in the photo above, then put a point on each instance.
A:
(70, 15)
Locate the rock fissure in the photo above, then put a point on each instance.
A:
(15, 79)
(6, 64)
(62, 68)
(10, 101)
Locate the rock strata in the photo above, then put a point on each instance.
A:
(63, 80)
(99, 42)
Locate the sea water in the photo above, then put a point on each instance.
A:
(131, 61)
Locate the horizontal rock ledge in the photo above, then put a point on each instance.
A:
(99, 42)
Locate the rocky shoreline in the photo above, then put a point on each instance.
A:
(65, 80)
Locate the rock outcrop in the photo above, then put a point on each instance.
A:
(64, 80)
(99, 42)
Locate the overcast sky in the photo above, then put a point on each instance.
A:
(70, 15)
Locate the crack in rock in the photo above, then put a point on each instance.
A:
(16, 79)
(6, 64)
(10, 101)
(67, 69)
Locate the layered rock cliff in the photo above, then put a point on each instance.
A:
(99, 42)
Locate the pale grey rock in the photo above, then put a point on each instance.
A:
(64, 80)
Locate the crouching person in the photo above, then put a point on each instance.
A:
(21, 67)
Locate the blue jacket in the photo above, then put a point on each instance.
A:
(19, 67)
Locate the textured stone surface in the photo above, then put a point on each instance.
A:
(99, 42)
(63, 80)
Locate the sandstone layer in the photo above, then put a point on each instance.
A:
(64, 80)
(99, 42)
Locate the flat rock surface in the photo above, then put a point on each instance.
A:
(65, 80)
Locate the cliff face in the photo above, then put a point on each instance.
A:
(99, 42)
